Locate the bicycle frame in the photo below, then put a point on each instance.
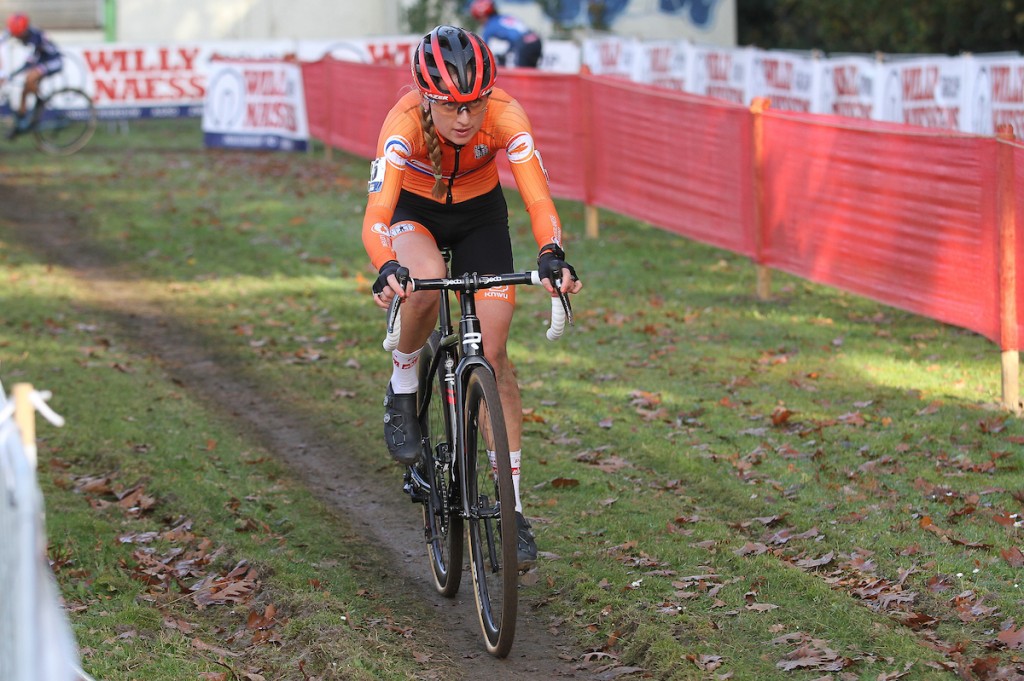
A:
(469, 340)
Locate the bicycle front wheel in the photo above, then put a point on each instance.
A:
(442, 522)
(64, 121)
(492, 518)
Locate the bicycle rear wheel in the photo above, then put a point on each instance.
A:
(492, 519)
(64, 122)
(442, 522)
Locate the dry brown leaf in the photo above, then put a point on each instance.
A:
(1013, 556)
(1012, 638)
(199, 644)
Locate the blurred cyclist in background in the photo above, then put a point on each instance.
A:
(45, 60)
(513, 42)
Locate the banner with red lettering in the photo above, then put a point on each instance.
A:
(928, 92)
(255, 104)
(784, 78)
(610, 56)
(846, 86)
(996, 94)
(129, 81)
(168, 80)
(665, 63)
(722, 73)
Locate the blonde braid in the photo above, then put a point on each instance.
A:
(434, 149)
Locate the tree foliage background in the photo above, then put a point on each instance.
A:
(894, 26)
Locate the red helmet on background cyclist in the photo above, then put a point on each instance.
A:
(452, 64)
(17, 24)
(482, 9)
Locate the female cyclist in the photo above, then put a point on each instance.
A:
(435, 184)
(44, 60)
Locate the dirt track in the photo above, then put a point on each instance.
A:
(371, 500)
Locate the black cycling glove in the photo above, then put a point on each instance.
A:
(386, 270)
(551, 261)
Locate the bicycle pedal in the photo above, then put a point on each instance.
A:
(416, 495)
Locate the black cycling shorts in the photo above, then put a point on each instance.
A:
(475, 230)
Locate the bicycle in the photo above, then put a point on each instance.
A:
(60, 122)
(460, 415)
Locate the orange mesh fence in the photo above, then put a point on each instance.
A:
(1011, 180)
(680, 162)
(897, 214)
(902, 215)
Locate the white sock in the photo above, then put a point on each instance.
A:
(516, 459)
(404, 377)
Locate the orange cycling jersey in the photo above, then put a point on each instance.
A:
(403, 163)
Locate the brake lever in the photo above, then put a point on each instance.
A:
(564, 299)
(403, 279)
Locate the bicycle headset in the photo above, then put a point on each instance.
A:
(452, 64)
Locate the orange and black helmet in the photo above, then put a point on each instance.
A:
(452, 64)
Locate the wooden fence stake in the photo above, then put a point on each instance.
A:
(1008, 337)
(25, 418)
(757, 108)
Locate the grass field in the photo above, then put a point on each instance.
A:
(813, 486)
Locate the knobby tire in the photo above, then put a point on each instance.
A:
(493, 562)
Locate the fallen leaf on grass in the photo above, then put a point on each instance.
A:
(644, 399)
(995, 425)
(761, 607)
(810, 563)
(780, 415)
(1013, 556)
(751, 548)
(814, 655)
(238, 586)
(199, 644)
(1012, 638)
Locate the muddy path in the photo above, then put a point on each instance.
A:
(370, 500)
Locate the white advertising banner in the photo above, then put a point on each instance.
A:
(561, 56)
(154, 81)
(996, 94)
(389, 50)
(610, 56)
(786, 79)
(722, 73)
(846, 86)
(167, 80)
(928, 92)
(664, 63)
(255, 104)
